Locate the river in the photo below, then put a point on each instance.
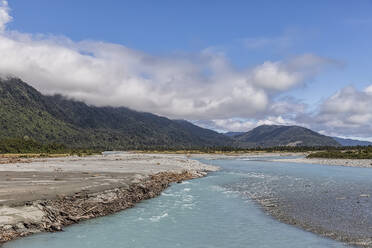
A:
(221, 210)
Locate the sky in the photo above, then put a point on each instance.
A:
(225, 65)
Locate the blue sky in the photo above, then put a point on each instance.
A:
(336, 29)
(246, 34)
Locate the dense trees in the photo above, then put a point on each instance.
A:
(25, 111)
(27, 145)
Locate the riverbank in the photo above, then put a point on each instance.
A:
(363, 163)
(48, 194)
(290, 157)
(333, 206)
(282, 210)
(330, 205)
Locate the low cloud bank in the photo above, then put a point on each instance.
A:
(348, 112)
(196, 86)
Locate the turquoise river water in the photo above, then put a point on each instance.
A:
(215, 211)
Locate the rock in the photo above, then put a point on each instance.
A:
(7, 227)
(56, 227)
(270, 205)
(20, 226)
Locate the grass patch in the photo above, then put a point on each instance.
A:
(360, 153)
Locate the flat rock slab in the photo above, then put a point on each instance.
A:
(13, 215)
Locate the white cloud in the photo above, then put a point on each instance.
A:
(346, 113)
(5, 18)
(287, 106)
(234, 125)
(276, 120)
(201, 86)
(243, 125)
(368, 90)
(275, 76)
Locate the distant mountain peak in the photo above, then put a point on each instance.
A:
(281, 135)
(352, 142)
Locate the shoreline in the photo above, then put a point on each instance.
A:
(123, 181)
(273, 207)
(293, 158)
(68, 210)
(362, 163)
(278, 208)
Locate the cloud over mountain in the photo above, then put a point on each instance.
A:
(203, 85)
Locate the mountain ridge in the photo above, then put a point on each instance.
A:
(352, 142)
(26, 112)
(280, 135)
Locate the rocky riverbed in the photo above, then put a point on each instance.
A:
(48, 194)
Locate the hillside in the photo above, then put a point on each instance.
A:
(26, 112)
(352, 142)
(233, 134)
(276, 135)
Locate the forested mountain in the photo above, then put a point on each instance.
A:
(55, 119)
(277, 135)
(352, 142)
(233, 134)
(26, 112)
